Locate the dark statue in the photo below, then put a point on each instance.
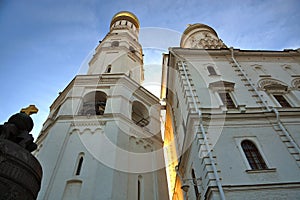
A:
(17, 129)
(20, 171)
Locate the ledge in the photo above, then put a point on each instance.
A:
(265, 75)
(253, 171)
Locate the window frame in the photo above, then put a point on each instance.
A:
(254, 140)
(253, 155)
(224, 87)
(227, 93)
(277, 102)
(211, 70)
(79, 164)
(276, 87)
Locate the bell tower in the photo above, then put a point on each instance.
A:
(120, 51)
(102, 138)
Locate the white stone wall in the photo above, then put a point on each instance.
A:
(226, 128)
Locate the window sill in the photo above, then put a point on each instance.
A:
(253, 171)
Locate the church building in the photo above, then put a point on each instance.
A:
(231, 118)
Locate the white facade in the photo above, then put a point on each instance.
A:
(231, 129)
(102, 138)
(226, 106)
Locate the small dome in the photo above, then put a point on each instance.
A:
(201, 36)
(198, 26)
(125, 15)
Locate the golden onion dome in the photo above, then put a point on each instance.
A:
(125, 15)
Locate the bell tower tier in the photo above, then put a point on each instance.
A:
(120, 51)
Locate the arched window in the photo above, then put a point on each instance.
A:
(139, 114)
(253, 156)
(79, 165)
(140, 188)
(278, 89)
(108, 70)
(94, 103)
(211, 70)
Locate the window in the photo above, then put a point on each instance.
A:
(226, 99)
(94, 103)
(253, 156)
(140, 188)
(195, 184)
(108, 70)
(211, 70)
(277, 89)
(79, 165)
(131, 49)
(140, 114)
(282, 101)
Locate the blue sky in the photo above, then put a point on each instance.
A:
(44, 44)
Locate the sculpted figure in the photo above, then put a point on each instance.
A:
(17, 129)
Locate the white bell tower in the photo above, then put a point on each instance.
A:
(102, 138)
(120, 51)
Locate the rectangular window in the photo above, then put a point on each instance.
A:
(226, 99)
(282, 101)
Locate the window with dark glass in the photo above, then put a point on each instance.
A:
(139, 190)
(211, 70)
(108, 70)
(79, 166)
(282, 101)
(226, 99)
(253, 156)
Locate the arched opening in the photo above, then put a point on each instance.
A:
(108, 70)
(140, 188)
(253, 156)
(94, 103)
(139, 114)
(79, 165)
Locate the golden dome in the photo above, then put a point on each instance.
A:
(192, 27)
(125, 15)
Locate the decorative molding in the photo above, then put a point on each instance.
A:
(221, 86)
(205, 40)
(90, 126)
(272, 86)
(296, 83)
